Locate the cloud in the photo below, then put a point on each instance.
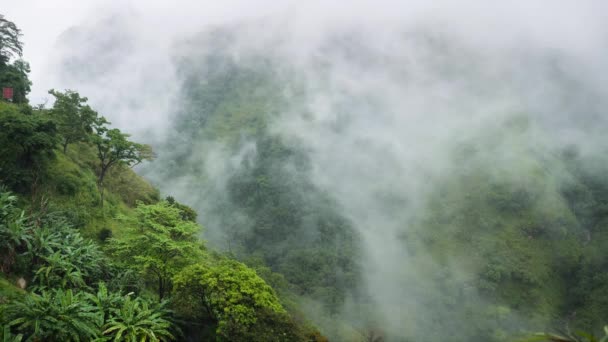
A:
(382, 94)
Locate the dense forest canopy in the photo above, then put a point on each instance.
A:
(410, 181)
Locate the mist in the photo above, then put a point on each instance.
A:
(383, 97)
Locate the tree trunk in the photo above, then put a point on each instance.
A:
(102, 175)
(65, 146)
(101, 190)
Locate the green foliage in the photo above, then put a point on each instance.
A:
(14, 235)
(158, 242)
(105, 301)
(588, 197)
(48, 249)
(113, 148)
(71, 186)
(267, 206)
(136, 320)
(525, 229)
(131, 188)
(292, 225)
(233, 295)
(15, 75)
(150, 244)
(10, 40)
(59, 315)
(61, 257)
(187, 213)
(76, 120)
(27, 143)
(8, 336)
(55, 315)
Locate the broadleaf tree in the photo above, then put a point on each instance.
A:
(10, 40)
(158, 243)
(243, 305)
(75, 118)
(13, 75)
(114, 148)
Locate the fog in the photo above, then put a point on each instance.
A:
(381, 95)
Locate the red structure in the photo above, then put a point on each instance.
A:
(7, 94)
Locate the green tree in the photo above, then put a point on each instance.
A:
(75, 118)
(114, 148)
(15, 75)
(27, 143)
(158, 243)
(233, 295)
(188, 214)
(10, 42)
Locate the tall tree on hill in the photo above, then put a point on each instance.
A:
(160, 243)
(75, 118)
(13, 75)
(114, 148)
(10, 43)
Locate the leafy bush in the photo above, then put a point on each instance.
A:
(14, 232)
(61, 257)
(27, 144)
(55, 315)
(138, 320)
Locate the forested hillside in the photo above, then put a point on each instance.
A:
(409, 185)
(499, 235)
(89, 250)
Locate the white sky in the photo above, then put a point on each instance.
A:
(573, 25)
(42, 21)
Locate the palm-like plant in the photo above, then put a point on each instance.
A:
(105, 301)
(137, 321)
(14, 232)
(7, 335)
(62, 257)
(58, 271)
(54, 316)
(44, 242)
(84, 254)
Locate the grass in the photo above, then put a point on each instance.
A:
(71, 187)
